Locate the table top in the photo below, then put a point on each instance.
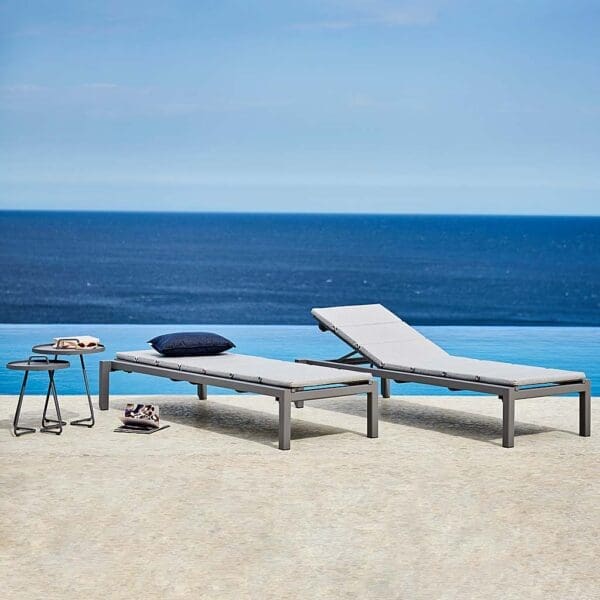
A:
(37, 364)
(50, 349)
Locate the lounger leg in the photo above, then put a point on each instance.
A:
(585, 411)
(202, 392)
(373, 412)
(385, 388)
(285, 424)
(508, 420)
(104, 384)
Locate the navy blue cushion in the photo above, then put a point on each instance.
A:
(190, 343)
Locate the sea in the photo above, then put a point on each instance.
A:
(68, 267)
(523, 289)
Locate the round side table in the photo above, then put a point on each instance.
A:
(39, 363)
(49, 349)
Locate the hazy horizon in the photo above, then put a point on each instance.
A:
(299, 213)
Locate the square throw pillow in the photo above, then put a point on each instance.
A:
(191, 343)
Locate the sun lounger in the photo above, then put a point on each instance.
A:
(286, 381)
(387, 347)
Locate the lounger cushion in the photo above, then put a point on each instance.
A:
(255, 369)
(378, 334)
(487, 371)
(191, 343)
(392, 344)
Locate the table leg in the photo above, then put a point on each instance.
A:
(88, 421)
(44, 418)
(16, 428)
(56, 426)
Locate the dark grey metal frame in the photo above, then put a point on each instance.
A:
(19, 429)
(44, 349)
(37, 363)
(55, 423)
(354, 361)
(285, 396)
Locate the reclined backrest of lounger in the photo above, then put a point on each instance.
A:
(379, 334)
(389, 342)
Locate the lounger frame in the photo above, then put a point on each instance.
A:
(284, 395)
(355, 361)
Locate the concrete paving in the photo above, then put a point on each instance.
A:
(209, 508)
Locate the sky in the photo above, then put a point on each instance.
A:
(423, 106)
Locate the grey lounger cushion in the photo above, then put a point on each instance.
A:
(391, 343)
(242, 367)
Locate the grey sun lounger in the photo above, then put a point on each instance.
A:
(286, 381)
(387, 347)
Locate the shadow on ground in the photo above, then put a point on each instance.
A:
(33, 418)
(243, 423)
(442, 420)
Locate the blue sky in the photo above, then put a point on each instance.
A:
(360, 105)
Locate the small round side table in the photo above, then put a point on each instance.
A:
(49, 349)
(39, 363)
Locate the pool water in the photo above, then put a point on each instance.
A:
(571, 348)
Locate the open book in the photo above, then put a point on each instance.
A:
(143, 416)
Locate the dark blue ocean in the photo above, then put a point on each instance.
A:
(66, 267)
